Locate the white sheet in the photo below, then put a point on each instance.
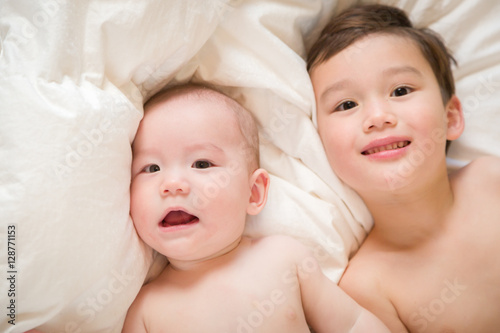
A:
(73, 77)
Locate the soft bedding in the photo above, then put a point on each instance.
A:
(73, 78)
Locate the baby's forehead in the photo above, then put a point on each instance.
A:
(187, 94)
(186, 101)
(186, 116)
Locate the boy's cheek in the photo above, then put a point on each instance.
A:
(331, 147)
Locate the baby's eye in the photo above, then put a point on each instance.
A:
(344, 106)
(151, 168)
(202, 164)
(401, 91)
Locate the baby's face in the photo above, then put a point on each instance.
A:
(380, 113)
(190, 180)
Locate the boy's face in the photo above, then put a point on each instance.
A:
(380, 113)
(190, 179)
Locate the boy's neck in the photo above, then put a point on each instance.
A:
(406, 220)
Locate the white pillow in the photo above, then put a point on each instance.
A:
(71, 84)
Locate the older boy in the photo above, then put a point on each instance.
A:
(386, 107)
(195, 177)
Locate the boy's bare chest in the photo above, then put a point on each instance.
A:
(455, 288)
(443, 304)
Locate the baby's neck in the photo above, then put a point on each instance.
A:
(200, 264)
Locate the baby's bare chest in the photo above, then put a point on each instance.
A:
(246, 301)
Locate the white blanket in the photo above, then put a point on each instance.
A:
(73, 78)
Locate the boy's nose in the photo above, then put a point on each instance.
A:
(174, 184)
(379, 117)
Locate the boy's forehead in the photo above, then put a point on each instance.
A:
(387, 53)
(384, 51)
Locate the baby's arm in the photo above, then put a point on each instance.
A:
(328, 308)
(134, 321)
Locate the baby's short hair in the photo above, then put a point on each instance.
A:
(244, 118)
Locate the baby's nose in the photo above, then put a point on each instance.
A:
(175, 184)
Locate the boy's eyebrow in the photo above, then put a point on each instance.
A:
(339, 85)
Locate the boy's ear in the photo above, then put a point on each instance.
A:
(455, 118)
(259, 186)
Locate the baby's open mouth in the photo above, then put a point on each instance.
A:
(392, 146)
(178, 217)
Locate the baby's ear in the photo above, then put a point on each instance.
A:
(455, 118)
(259, 186)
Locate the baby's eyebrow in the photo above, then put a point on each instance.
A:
(205, 146)
(401, 70)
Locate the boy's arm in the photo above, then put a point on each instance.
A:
(328, 308)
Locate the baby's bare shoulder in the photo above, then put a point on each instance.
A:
(282, 246)
(281, 252)
(138, 315)
(149, 294)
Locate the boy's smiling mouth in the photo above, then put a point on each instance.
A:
(177, 218)
(384, 147)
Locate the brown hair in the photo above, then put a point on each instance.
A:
(360, 21)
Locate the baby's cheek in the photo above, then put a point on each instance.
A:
(138, 204)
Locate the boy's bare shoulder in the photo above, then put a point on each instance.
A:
(366, 279)
(483, 173)
(362, 276)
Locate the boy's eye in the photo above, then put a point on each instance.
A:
(344, 106)
(151, 168)
(202, 164)
(401, 91)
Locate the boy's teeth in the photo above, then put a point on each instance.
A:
(391, 146)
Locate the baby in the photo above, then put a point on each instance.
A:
(386, 107)
(195, 177)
